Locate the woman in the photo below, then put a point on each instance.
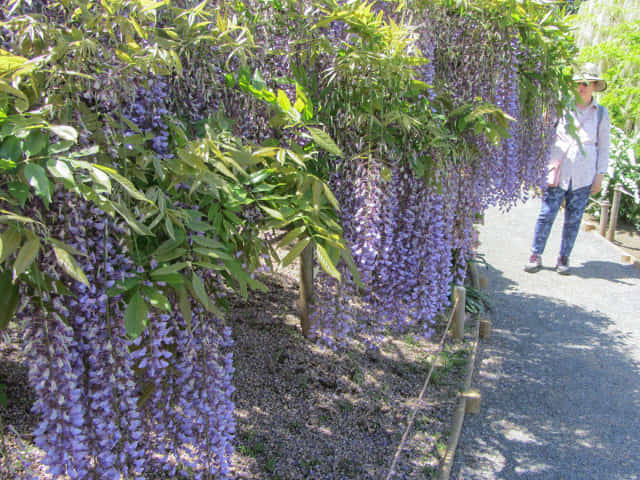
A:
(579, 159)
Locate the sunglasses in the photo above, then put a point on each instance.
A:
(585, 84)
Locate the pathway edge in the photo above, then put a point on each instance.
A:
(444, 471)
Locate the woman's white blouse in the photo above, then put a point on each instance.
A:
(588, 157)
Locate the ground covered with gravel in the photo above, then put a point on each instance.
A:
(302, 411)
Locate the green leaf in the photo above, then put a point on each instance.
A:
(10, 241)
(100, 179)
(346, 255)
(60, 169)
(123, 286)
(20, 191)
(21, 101)
(295, 251)
(157, 299)
(64, 246)
(260, 176)
(35, 142)
(170, 255)
(138, 227)
(61, 146)
(184, 304)
(257, 80)
(6, 164)
(324, 141)
(174, 268)
(65, 132)
(283, 101)
(272, 212)
(26, 256)
(135, 317)
(16, 218)
(291, 236)
(128, 186)
(69, 264)
(207, 242)
(9, 62)
(37, 177)
(8, 299)
(170, 278)
(326, 263)
(202, 296)
(332, 199)
(10, 149)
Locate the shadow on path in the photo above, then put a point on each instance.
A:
(610, 271)
(560, 391)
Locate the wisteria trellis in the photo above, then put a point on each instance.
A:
(111, 406)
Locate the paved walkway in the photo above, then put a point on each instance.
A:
(560, 372)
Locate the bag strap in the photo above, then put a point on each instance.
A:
(600, 115)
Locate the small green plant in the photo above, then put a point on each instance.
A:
(477, 301)
(440, 448)
(447, 362)
(270, 465)
(410, 339)
(429, 470)
(250, 445)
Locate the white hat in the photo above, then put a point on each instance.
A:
(589, 73)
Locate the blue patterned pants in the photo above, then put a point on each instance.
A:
(575, 205)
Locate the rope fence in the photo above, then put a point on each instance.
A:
(459, 304)
(609, 212)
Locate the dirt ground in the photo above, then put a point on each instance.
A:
(302, 411)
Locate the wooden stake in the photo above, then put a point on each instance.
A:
(459, 300)
(485, 327)
(306, 288)
(472, 399)
(484, 282)
(473, 273)
(615, 209)
(604, 216)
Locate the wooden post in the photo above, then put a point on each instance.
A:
(604, 216)
(484, 282)
(473, 399)
(473, 273)
(615, 209)
(459, 301)
(306, 288)
(485, 327)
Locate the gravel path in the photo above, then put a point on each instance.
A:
(560, 372)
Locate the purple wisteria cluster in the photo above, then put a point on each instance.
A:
(112, 407)
(400, 232)
(148, 112)
(412, 238)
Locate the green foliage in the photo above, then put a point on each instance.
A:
(624, 170)
(608, 33)
(67, 82)
(52, 137)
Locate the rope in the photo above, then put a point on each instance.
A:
(414, 410)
